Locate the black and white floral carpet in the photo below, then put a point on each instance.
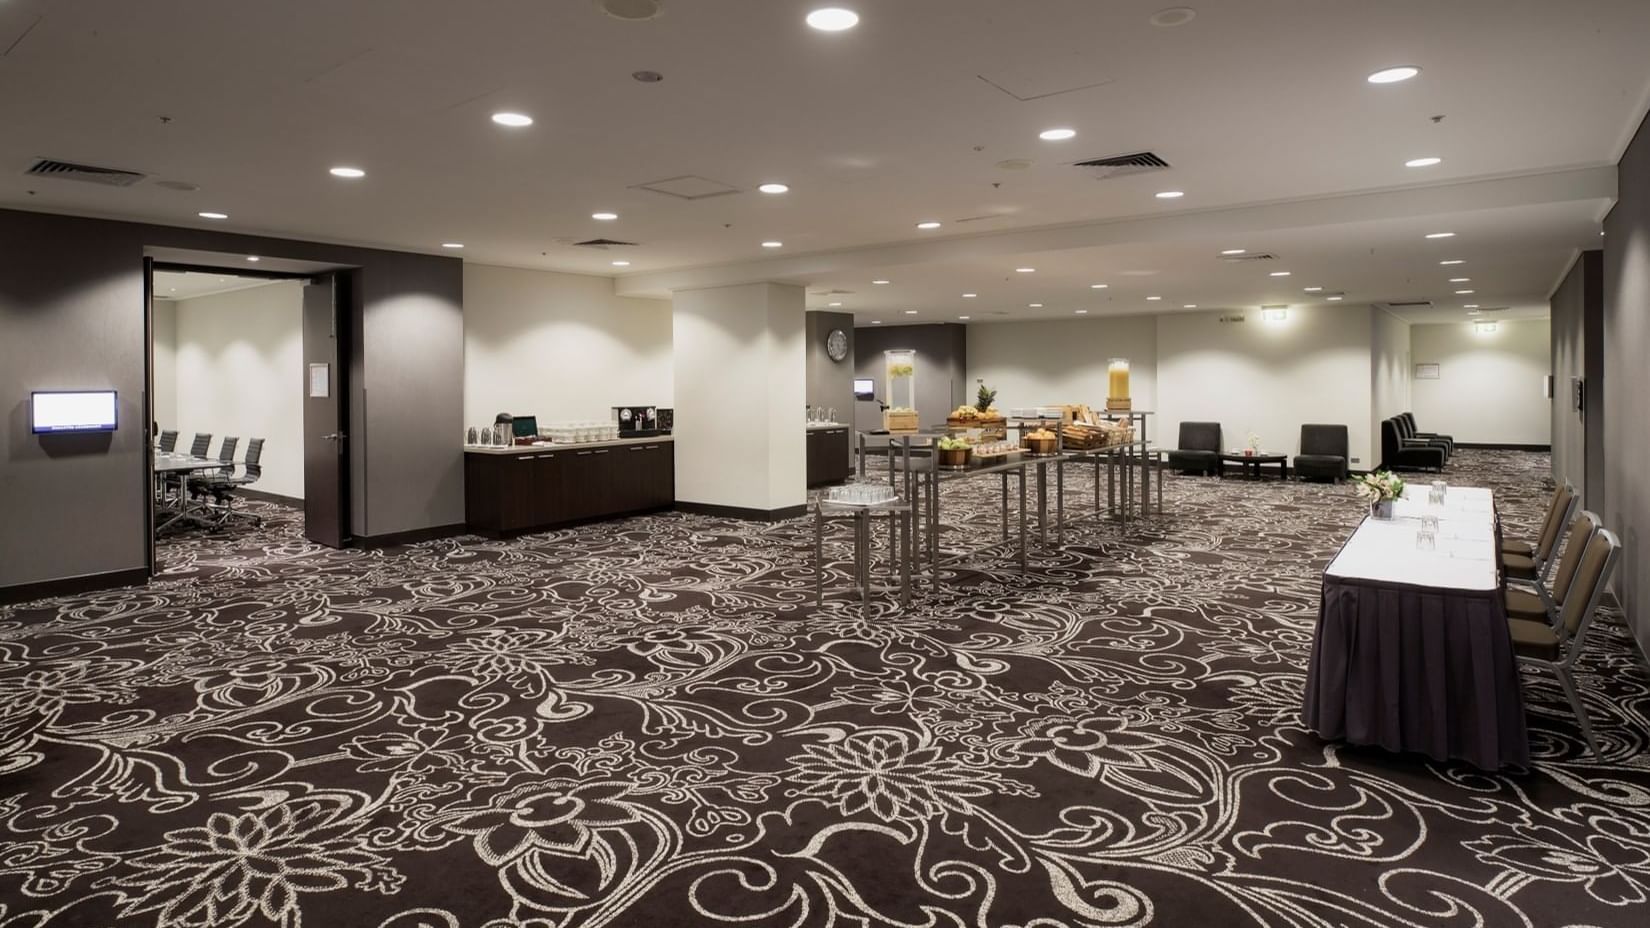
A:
(645, 723)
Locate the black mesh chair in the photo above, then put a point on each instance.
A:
(202, 482)
(1199, 451)
(1409, 422)
(169, 441)
(1406, 433)
(1323, 453)
(223, 489)
(201, 444)
(1396, 454)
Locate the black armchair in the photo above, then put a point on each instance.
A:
(1396, 454)
(1199, 451)
(1409, 423)
(1406, 434)
(1323, 453)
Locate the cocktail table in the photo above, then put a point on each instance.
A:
(1252, 463)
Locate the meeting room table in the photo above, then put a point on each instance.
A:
(180, 465)
(1412, 651)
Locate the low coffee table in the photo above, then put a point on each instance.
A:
(1252, 463)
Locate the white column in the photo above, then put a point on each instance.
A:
(741, 395)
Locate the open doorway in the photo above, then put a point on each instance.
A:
(248, 394)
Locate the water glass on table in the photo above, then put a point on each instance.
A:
(1426, 537)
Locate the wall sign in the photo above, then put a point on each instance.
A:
(1426, 372)
(320, 380)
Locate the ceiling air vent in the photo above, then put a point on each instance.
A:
(66, 170)
(1233, 317)
(1123, 165)
(1495, 309)
(689, 187)
(1258, 256)
(603, 243)
(1411, 304)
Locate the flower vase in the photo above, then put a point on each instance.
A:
(1381, 509)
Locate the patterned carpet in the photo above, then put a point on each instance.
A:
(644, 723)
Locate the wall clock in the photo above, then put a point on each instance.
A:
(836, 345)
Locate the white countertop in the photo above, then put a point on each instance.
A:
(819, 426)
(543, 447)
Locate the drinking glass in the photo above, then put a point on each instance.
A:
(1426, 539)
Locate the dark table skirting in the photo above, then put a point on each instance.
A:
(1417, 669)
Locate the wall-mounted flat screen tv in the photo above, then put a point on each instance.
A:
(864, 389)
(53, 411)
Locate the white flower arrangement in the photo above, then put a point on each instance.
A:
(1254, 442)
(1381, 486)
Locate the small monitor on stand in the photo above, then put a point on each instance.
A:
(525, 426)
(865, 388)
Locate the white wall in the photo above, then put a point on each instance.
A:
(1390, 372)
(1490, 384)
(1267, 378)
(166, 364)
(560, 347)
(1060, 361)
(740, 393)
(240, 371)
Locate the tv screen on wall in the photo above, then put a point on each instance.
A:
(53, 411)
(864, 389)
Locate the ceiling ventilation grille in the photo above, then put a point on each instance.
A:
(66, 170)
(1495, 309)
(1258, 256)
(1411, 304)
(1233, 317)
(603, 243)
(689, 187)
(1139, 162)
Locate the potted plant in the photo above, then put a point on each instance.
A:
(1381, 488)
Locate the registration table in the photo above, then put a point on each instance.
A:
(1412, 650)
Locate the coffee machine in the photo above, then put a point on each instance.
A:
(636, 421)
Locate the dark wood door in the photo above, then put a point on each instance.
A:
(326, 448)
(549, 496)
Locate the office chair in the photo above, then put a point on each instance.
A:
(169, 441)
(202, 483)
(223, 490)
(201, 444)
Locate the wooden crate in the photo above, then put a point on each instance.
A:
(900, 421)
(992, 429)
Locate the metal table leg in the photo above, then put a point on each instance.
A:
(1042, 502)
(1060, 501)
(1157, 462)
(1004, 476)
(1022, 518)
(819, 557)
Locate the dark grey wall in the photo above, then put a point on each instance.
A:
(71, 316)
(1577, 351)
(830, 383)
(942, 363)
(1626, 343)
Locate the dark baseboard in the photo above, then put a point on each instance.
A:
(1495, 446)
(70, 586)
(291, 502)
(410, 537)
(741, 513)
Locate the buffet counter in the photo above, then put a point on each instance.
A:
(509, 491)
(830, 455)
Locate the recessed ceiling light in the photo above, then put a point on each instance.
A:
(621, 263)
(962, 317)
(879, 282)
(1280, 273)
(604, 217)
(1394, 75)
(1189, 306)
(1082, 312)
(774, 188)
(347, 172)
(970, 296)
(1470, 306)
(1336, 299)
(1460, 280)
(833, 19)
(1035, 305)
(910, 312)
(1234, 251)
(513, 120)
(1440, 235)
(1171, 194)
(1314, 289)
(1465, 292)
(1098, 286)
(1452, 262)
(253, 258)
(928, 224)
(452, 244)
(836, 304)
(876, 322)
(773, 244)
(1422, 162)
(1154, 298)
(1474, 312)
(1025, 270)
(211, 215)
(1174, 16)
(1057, 135)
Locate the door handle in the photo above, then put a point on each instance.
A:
(335, 436)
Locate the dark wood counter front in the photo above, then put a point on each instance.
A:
(829, 459)
(511, 492)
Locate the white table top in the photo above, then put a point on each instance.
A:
(1466, 558)
(175, 462)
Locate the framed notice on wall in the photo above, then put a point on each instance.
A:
(1426, 372)
(320, 380)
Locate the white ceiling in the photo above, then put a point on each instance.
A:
(186, 285)
(901, 119)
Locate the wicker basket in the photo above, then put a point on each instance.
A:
(1040, 445)
(955, 457)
